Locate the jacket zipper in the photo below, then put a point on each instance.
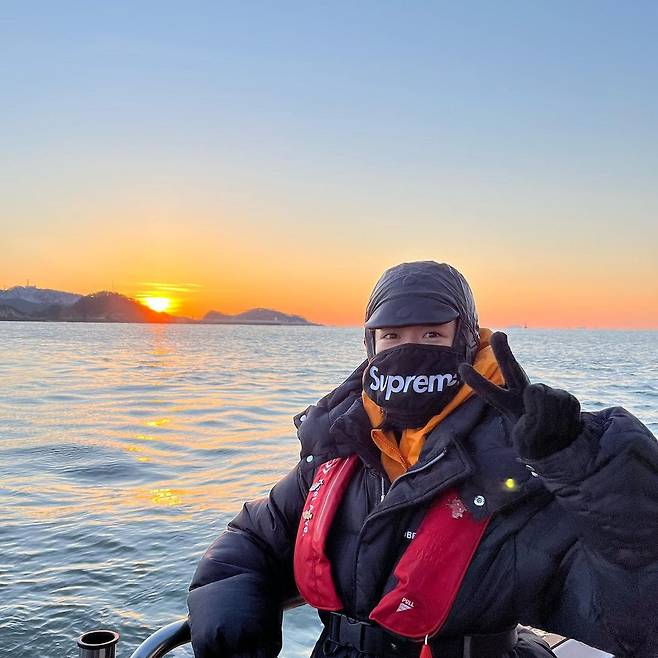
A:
(422, 468)
(371, 516)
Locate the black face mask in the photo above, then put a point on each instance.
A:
(412, 382)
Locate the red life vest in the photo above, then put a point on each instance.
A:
(428, 574)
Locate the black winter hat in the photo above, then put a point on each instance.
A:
(423, 292)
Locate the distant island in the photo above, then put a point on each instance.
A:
(255, 316)
(29, 303)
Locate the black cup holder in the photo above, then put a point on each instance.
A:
(98, 644)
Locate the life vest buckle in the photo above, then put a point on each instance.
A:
(351, 632)
(367, 637)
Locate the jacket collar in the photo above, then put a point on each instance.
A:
(470, 449)
(338, 426)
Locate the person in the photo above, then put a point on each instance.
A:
(442, 503)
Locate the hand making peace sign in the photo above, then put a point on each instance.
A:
(544, 419)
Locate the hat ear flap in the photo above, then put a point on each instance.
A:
(463, 341)
(467, 340)
(369, 341)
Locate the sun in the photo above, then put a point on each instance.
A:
(158, 304)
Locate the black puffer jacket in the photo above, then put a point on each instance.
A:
(572, 548)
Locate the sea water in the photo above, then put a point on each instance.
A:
(125, 449)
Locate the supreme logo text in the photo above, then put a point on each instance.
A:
(419, 383)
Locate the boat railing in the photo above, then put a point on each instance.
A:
(164, 640)
(177, 633)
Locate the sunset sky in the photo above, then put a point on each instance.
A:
(233, 155)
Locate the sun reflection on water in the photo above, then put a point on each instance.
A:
(157, 423)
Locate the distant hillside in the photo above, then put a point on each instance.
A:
(43, 304)
(216, 316)
(110, 307)
(97, 307)
(23, 306)
(256, 316)
(10, 313)
(42, 296)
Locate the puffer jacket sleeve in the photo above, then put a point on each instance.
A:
(607, 483)
(246, 575)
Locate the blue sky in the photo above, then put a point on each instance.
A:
(525, 130)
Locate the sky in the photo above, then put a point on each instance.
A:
(282, 155)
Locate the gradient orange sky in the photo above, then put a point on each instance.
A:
(241, 157)
(320, 274)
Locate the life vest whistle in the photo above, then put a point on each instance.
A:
(428, 574)
(426, 651)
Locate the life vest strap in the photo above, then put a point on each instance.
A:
(370, 638)
(430, 572)
(311, 564)
(428, 575)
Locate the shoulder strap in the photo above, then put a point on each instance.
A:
(431, 570)
(312, 567)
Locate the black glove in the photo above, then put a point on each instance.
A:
(544, 419)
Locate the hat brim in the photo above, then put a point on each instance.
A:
(410, 310)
